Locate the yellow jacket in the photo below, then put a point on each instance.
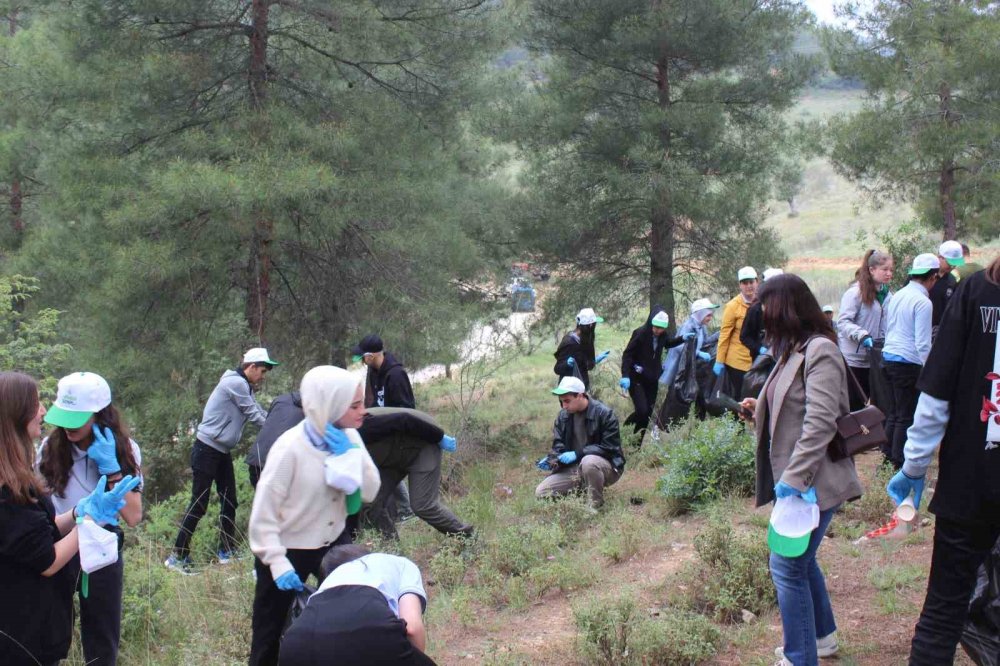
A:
(731, 351)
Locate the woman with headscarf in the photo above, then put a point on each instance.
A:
(575, 356)
(641, 363)
(702, 311)
(303, 498)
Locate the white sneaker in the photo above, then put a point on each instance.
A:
(825, 647)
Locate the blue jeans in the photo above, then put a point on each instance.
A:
(802, 598)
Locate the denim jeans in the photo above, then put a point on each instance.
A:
(802, 598)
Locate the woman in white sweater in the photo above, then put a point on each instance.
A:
(297, 515)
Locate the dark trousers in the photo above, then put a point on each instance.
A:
(271, 605)
(101, 612)
(902, 378)
(643, 396)
(349, 625)
(208, 466)
(734, 378)
(861, 374)
(254, 475)
(959, 550)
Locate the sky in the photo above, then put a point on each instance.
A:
(823, 9)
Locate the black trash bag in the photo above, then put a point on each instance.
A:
(690, 387)
(298, 605)
(981, 637)
(878, 383)
(725, 385)
(756, 376)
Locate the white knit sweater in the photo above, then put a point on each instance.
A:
(293, 507)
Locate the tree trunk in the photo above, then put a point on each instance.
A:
(661, 219)
(946, 177)
(259, 262)
(16, 196)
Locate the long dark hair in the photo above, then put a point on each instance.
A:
(57, 456)
(866, 283)
(791, 314)
(18, 406)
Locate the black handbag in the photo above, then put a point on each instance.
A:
(861, 429)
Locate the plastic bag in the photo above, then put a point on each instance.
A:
(756, 376)
(344, 472)
(298, 605)
(723, 384)
(878, 383)
(981, 637)
(98, 546)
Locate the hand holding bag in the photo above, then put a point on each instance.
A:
(98, 546)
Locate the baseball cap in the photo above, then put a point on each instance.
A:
(792, 521)
(661, 319)
(79, 396)
(926, 262)
(827, 308)
(588, 316)
(771, 272)
(702, 304)
(952, 252)
(370, 344)
(569, 385)
(746, 273)
(258, 355)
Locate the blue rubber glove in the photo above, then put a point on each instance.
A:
(637, 368)
(571, 362)
(705, 356)
(763, 350)
(782, 490)
(103, 506)
(718, 368)
(600, 357)
(447, 443)
(102, 451)
(336, 440)
(690, 335)
(901, 485)
(289, 582)
(544, 465)
(567, 457)
(625, 383)
(867, 342)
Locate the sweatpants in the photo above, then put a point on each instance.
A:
(209, 466)
(349, 625)
(643, 396)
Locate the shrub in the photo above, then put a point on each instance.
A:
(707, 460)
(874, 507)
(617, 632)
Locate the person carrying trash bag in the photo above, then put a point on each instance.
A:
(641, 366)
(958, 409)
(316, 474)
(794, 416)
(575, 356)
(90, 440)
(36, 542)
(687, 369)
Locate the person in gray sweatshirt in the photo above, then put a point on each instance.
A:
(227, 411)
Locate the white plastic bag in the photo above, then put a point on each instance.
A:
(98, 546)
(344, 472)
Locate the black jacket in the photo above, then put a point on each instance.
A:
(389, 386)
(285, 412)
(584, 362)
(752, 333)
(603, 436)
(387, 423)
(646, 350)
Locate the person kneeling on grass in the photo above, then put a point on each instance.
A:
(368, 610)
(586, 446)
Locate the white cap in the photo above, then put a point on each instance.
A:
(258, 355)
(746, 273)
(952, 252)
(926, 262)
(771, 272)
(827, 308)
(702, 304)
(569, 385)
(79, 396)
(588, 316)
(661, 319)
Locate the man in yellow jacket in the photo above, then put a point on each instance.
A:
(732, 356)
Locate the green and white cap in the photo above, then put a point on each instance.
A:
(258, 355)
(746, 273)
(952, 253)
(703, 304)
(661, 319)
(925, 263)
(588, 316)
(79, 396)
(569, 385)
(792, 522)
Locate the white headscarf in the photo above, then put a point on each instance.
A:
(327, 392)
(699, 315)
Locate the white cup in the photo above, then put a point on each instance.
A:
(906, 511)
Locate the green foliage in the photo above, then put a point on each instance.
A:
(875, 506)
(707, 460)
(616, 632)
(31, 341)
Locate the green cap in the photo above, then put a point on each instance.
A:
(661, 319)
(356, 357)
(786, 546)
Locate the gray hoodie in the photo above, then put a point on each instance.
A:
(228, 409)
(857, 320)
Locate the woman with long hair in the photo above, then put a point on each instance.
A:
(796, 415)
(861, 323)
(90, 440)
(36, 542)
(575, 355)
(957, 410)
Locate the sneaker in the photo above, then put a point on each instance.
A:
(825, 647)
(181, 565)
(225, 556)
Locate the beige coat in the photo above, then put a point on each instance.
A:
(792, 435)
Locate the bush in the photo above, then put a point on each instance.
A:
(732, 575)
(874, 507)
(707, 460)
(617, 632)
